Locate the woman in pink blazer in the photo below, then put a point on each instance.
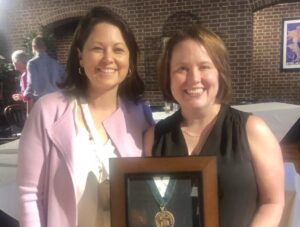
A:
(69, 136)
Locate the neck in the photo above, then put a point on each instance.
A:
(197, 127)
(38, 52)
(105, 101)
(198, 117)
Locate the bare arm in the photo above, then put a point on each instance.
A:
(148, 142)
(268, 166)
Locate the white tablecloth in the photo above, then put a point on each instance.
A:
(157, 116)
(280, 117)
(8, 169)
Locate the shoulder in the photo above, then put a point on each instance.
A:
(168, 124)
(260, 137)
(138, 109)
(128, 106)
(231, 117)
(46, 112)
(256, 127)
(236, 114)
(56, 98)
(53, 104)
(32, 61)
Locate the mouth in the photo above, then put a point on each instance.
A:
(194, 92)
(106, 70)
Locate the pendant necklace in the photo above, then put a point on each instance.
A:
(163, 218)
(102, 161)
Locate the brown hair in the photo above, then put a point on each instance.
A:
(132, 87)
(216, 50)
(39, 43)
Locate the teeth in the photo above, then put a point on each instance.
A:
(107, 70)
(195, 91)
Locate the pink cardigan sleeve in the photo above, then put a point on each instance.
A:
(32, 167)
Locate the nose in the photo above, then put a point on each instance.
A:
(107, 56)
(194, 75)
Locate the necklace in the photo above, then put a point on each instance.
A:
(163, 218)
(102, 160)
(189, 134)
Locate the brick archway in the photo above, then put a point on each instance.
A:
(61, 15)
(260, 4)
(63, 24)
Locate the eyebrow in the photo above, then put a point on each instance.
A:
(187, 62)
(99, 42)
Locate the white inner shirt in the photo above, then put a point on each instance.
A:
(91, 178)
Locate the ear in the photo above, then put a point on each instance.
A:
(79, 57)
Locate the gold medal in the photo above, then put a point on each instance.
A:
(164, 218)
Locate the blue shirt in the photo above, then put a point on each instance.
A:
(43, 73)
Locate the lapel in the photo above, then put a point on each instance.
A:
(118, 127)
(63, 135)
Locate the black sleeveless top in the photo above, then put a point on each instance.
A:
(237, 188)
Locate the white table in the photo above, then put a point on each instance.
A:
(8, 187)
(157, 116)
(280, 117)
(8, 170)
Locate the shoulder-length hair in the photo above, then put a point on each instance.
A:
(216, 50)
(132, 87)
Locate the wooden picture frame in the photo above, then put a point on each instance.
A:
(130, 177)
(290, 54)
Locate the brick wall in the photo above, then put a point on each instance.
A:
(269, 82)
(151, 21)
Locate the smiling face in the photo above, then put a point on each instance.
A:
(104, 58)
(193, 76)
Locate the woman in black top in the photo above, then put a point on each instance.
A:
(195, 73)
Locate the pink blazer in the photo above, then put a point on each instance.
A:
(45, 159)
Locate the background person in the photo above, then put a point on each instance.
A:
(19, 60)
(70, 135)
(195, 73)
(43, 72)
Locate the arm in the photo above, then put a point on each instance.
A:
(23, 85)
(31, 171)
(148, 114)
(268, 166)
(30, 77)
(148, 142)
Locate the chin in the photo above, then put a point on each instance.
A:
(196, 104)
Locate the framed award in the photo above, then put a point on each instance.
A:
(164, 192)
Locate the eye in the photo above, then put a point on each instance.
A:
(204, 67)
(182, 69)
(97, 49)
(119, 50)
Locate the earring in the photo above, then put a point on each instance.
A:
(79, 70)
(129, 73)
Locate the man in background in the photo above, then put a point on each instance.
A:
(43, 72)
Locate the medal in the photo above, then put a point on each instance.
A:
(164, 218)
